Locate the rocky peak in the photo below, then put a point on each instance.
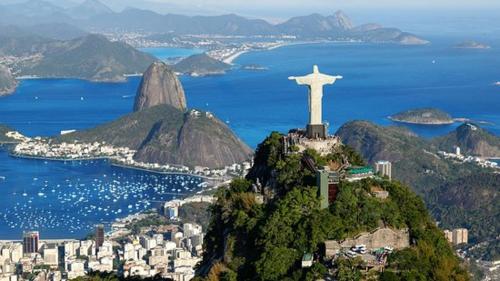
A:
(472, 139)
(342, 20)
(160, 85)
(91, 8)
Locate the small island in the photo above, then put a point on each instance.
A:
(201, 65)
(423, 116)
(472, 45)
(254, 67)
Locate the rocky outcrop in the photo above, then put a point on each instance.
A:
(342, 20)
(160, 85)
(472, 140)
(379, 238)
(8, 83)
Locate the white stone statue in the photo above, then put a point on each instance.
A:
(315, 81)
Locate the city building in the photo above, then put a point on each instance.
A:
(99, 235)
(384, 168)
(51, 255)
(148, 242)
(457, 236)
(449, 235)
(460, 236)
(30, 242)
(75, 268)
(327, 182)
(191, 229)
(359, 173)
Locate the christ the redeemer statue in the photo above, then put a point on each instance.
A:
(315, 81)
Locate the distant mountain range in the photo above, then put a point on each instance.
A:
(93, 15)
(89, 8)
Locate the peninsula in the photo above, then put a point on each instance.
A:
(423, 116)
(161, 134)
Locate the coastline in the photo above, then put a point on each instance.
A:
(114, 163)
(57, 159)
(35, 77)
(231, 59)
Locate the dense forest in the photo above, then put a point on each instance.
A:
(251, 240)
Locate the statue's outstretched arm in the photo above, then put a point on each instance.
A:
(327, 79)
(301, 80)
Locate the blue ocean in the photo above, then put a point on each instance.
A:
(379, 80)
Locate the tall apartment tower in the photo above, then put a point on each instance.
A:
(99, 235)
(30, 242)
(384, 168)
(460, 236)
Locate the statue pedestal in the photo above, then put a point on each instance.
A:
(316, 131)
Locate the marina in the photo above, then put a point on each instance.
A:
(68, 202)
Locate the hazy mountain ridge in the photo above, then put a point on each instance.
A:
(16, 41)
(90, 8)
(93, 15)
(56, 31)
(92, 57)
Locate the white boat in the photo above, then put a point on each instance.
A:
(2, 178)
